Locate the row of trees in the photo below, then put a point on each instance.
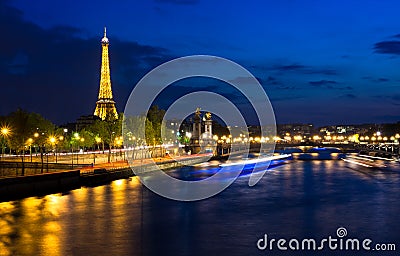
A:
(19, 129)
(23, 131)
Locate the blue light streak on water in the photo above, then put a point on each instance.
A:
(199, 173)
(303, 199)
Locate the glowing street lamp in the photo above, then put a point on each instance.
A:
(298, 138)
(29, 142)
(215, 137)
(52, 140)
(316, 137)
(5, 131)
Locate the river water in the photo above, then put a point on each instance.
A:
(301, 199)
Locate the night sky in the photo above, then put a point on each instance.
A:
(324, 62)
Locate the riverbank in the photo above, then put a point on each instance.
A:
(12, 188)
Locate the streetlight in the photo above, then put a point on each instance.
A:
(5, 132)
(30, 141)
(53, 142)
(98, 140)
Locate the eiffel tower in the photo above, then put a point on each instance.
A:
(105, 105)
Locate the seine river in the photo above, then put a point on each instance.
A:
(298, 200)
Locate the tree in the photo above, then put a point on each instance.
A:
(107, 130)
(147, 129)
(27, 126)
(155, 116)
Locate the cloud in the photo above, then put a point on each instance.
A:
(328, 72)
(303, 69)
(285, 98)
(246, 80)
(350, 95)
(383, 80)
(51, 70)
(178, 2)
(329, 84)
(291, 67)
(387, 47)
(322, 82)
(272, 81)
(376, 80)
(395, 97)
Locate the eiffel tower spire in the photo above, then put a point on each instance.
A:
(105, 105)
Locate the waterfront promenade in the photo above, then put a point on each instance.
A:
(15, 185)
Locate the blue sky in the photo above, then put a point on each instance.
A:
(319, 61)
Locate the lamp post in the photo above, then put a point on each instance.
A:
(30, 141)
(82, 140)
(41, 146)
(53, 142)
(61, 138)
(5, 131)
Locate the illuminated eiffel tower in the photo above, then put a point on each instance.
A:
(105, 105)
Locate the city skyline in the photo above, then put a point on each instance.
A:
(314, 68)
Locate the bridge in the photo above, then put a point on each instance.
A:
(387, 150)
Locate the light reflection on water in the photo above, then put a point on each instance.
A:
(301, 199)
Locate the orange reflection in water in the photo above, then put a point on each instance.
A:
(31, 226)
(49, 225)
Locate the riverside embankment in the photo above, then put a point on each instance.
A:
(12, 188)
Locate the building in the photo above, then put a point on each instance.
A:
(295, 129)
(85, 121)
